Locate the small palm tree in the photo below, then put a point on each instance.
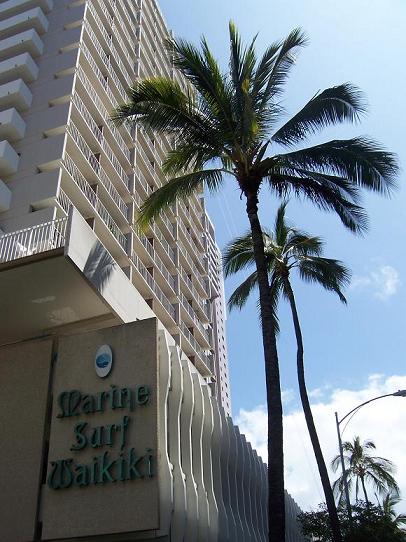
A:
(227, 125)
(389, 502)
(288, 249)
(363, 468)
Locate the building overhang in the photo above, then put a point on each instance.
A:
(40, 295)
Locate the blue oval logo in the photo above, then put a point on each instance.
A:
(103, 361)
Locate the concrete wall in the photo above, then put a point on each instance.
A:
(24, 374)
(207, 483)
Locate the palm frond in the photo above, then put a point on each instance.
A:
(332, 106)
(331, 274)
(180, 187)
(281, 228)
(361, 160)
(241, 294)
(238, 255)
(302, 244)
(284, 60)
(203, 72)
(324, 195)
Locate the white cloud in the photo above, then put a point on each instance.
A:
(287, 396)
(383, 283)
(384, 422)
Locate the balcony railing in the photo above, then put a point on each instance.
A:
(158, 262)
(189, 309)
(107, 63)
(191, 242)
(108, 39)
(34, 240)
(94, 201)
(167, 248)
(96, 167)
(191, 263)
(198, 299)
(206, 358)
(103, 112)
(63, 201)
(153, 286)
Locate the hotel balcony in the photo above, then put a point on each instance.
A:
(19, 67)
(201, 359)
(97, 80)
(25, 42)
(33, 18)
(5, 197)
(15, 94)
(8, 159)
(12, 126)
(95, 105)
(14, 7)
(85, 198)
(62, 277)
(145, 283)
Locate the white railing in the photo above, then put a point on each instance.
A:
(195, 293)
(98, 170)
(191, 242)
(149, 166)
(91, 197)
(189, 309)
(63, 201)
(165, 245)
(153, 286)
(98, 73)
(103, 112)
(106, 61)
(195, 345)
(141, 179)
(191, 263)
(108, 39)
(158, 262)
(34, 240)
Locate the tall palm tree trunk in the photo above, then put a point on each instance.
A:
(364, 489)
(328, 492)
(276, 500)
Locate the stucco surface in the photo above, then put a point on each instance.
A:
(24, 378)
(112, 507)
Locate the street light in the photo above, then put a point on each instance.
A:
(400, 393)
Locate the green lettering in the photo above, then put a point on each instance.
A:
(82, 476)
(133, 465)
(143, 395)
(81, 440)
(96, 439)
(88, 404)
(105, 464)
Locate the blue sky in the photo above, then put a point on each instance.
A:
(362, 42)
(353, 352)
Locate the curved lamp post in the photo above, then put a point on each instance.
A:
(400, 393)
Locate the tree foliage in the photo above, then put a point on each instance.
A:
(364, 469)
(370, 523)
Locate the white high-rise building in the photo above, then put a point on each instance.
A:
(74, 269)
(64, 66)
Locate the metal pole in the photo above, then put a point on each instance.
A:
(346, 490)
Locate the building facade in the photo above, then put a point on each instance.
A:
(64, 66)
(72, 262)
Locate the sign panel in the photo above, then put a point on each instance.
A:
(102, 473)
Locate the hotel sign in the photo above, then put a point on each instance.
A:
(103, 461)
(127, 464)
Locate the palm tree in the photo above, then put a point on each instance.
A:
(225, 126)
(363, 468)
(389, 502)
(288, 249)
